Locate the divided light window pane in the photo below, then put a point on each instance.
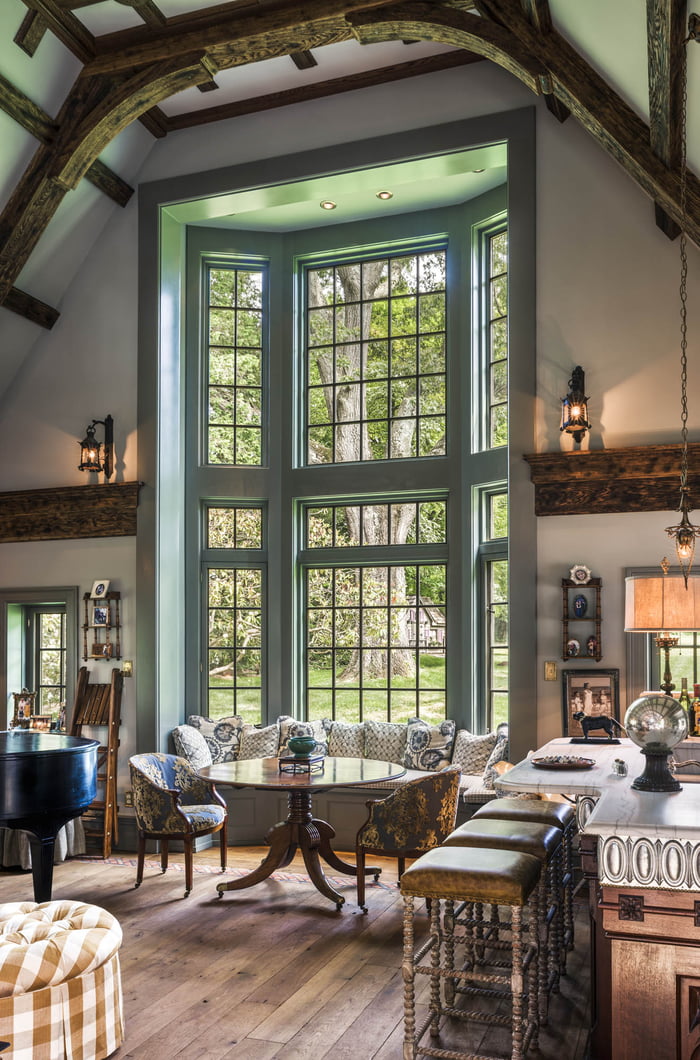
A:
(375, 643)
(498, 338)
(51, 661)
(375, 354)
(234, 642)
(348, 525)
(234, 528)
(497, 640)
(235, 324)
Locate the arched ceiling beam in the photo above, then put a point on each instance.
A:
(567, 76)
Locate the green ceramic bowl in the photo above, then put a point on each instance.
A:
(302, 745)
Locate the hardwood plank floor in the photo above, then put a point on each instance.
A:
(274, 971)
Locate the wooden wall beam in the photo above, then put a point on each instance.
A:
(635, 479)
(666, 60)
(321, 89)
(64, 25)
(31, 308)
(67, 512)
(36, 121)
(30, 33)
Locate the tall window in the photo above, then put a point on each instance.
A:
(336, 468)
(46, 657)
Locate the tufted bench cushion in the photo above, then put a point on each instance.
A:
(60, 984)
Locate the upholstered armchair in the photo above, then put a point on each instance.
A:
(172, 802)
(416, 817)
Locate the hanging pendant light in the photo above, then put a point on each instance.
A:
(684, 532)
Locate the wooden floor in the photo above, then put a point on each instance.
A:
(273, 971)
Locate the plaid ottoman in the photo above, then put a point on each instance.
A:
(60, 984)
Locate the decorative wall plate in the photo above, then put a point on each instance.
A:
(580, 574)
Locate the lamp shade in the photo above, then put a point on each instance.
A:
(661, 603)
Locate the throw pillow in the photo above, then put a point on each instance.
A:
(499, 754)
(289, 727)
(471, 753)
(385, 741)
(190, 744)
(222, 735)
(347, 739)
(428, 746)
(258, 743)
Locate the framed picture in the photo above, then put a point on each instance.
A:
(101, 650)
(100, 616)
(99, 588)
(590, 694)
(24, 706)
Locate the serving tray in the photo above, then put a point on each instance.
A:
(562, 762)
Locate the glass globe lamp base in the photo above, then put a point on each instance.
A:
(656, 776)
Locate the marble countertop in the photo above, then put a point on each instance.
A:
(620, 809)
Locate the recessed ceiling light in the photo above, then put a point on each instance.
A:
(385, 195)
(477, 171)
(328, 204)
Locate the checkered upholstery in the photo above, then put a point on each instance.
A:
(60, 983)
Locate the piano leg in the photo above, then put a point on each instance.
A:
(42, 840)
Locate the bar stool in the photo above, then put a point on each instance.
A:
(471, 876)
(559, 815)
(544, 843)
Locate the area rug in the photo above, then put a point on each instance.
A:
(212, 870)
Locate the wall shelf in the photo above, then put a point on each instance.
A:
(102, 639)
(580, 630)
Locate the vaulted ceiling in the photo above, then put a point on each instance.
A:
(77, 77)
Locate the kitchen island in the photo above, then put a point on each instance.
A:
(640, 852)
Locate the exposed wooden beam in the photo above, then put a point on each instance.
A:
(67, 512)
(31, 308)
(31, 32)
(602, 112)
(64, 25)
(319, 90)
(666, 58)
(96, 110)
(156, 121)
(540, 17)
(643, 478)
(36, 121)
(232, 37)
(304, 60)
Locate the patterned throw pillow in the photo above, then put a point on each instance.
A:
(428, 746)
(471, 753)
(259, 743)
(190, 744)
(222, 735)
(385, 741)
(347, 739)
(289, 727)
(499, 754)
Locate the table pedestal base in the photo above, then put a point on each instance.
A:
(313, 838)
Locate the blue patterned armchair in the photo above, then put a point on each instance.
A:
(172, 802)
(416, 817)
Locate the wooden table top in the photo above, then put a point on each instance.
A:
(336, 773)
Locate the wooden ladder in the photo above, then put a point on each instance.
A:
(99, 706)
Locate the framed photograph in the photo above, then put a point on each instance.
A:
(101, 650)
(24, 706)
(100, 616)
(589, 697)
(99, 588)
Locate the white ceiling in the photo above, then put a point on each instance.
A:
(612, 36)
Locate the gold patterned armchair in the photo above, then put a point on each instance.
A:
(172, 802)
(416, 817)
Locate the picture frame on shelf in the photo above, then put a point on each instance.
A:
(100, 616)
(24, 706)
(591, 694)
(99, 588)
(102, 650)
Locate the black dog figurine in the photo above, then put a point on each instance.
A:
(601, 722)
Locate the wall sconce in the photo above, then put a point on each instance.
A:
(574, 407)
(90, 457)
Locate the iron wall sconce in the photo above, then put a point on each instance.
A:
(91, 457)
(574, 407)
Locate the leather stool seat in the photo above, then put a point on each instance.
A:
(543, 811)
(527, 837)
(470, 877)
(504, 877)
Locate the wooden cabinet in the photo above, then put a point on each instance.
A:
(581, 619)
(102, 627)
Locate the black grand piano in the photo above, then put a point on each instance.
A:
(46, 779)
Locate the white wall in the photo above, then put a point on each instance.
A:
(607, 299)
